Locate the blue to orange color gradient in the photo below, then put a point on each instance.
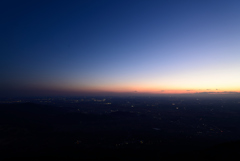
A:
(144, 46)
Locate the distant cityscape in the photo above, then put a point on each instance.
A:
(166, 123)
(189, 116)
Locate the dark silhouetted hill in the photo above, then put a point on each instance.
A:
(49, 132)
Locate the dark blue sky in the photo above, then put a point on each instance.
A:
(120, 46)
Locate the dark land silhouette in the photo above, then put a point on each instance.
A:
(120, 128)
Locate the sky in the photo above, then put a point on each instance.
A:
(121, 46)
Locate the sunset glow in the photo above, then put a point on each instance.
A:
(155, 47)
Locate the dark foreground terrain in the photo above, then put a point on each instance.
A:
(121, 128)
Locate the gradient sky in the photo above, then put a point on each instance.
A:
(168, 46)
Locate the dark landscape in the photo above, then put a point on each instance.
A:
(120, 127)
(119, 80)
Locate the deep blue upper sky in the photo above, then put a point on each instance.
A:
(120, 45)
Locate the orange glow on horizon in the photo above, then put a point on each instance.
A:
(75, 90)
(148, 91)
